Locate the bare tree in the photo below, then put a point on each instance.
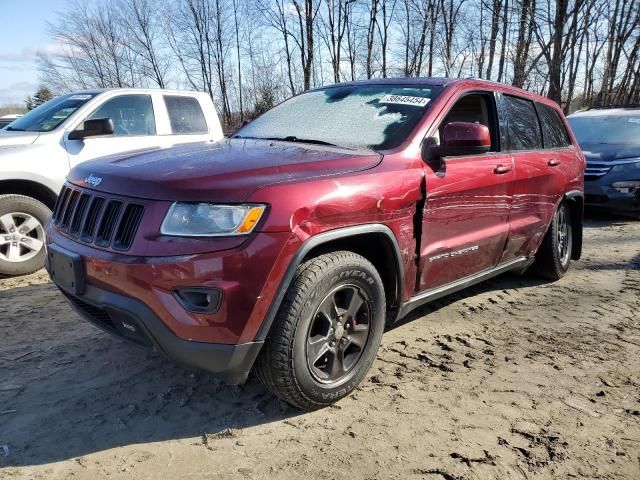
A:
(248, 54)
(143, 26)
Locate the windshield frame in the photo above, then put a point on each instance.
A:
(56, 103)
(436, 91)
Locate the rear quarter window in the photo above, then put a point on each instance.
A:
(553, 130)
(524, 127)
(185, 115)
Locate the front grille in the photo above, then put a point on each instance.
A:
(92, 218)
(593, 171)
(96, 314)
(111, 321)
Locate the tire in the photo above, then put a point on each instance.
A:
(292, 364)
(22, 236)
(554, 255)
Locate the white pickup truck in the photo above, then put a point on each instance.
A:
(38, 149)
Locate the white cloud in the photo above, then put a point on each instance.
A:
(16, 92)
(29, 54)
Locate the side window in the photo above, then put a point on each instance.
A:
(185, 115)
(132, 115)
(474, 108)
(553, 130)
(524, 127)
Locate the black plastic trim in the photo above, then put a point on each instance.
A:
(457, 285)
(316, 241)
(577, 222)
(230, 363)
(212, 308)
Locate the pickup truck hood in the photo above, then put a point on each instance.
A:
(226, 171)
(10, 139)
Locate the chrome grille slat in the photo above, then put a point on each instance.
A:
(102, 220)
(595, 170)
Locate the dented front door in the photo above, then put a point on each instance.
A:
(465, 220)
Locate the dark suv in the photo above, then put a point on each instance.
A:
(289, 247)
(610, 139)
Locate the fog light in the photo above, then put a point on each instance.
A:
(199, 299)
(629, 186)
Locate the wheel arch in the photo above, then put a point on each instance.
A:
(29, 188)
(575, 201)
(375, 242)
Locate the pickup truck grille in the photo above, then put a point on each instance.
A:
(594, 171)
(97, 219)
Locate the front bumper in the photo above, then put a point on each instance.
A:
(131, 320)
(600, 195)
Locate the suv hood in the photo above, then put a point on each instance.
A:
(10, 138)
(609, 152)
(226, 171)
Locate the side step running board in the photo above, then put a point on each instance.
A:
(444, 290)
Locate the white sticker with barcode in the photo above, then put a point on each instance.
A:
(80, 97)
(405, 100)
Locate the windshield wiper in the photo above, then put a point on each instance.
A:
(292, 138)
(14, 129)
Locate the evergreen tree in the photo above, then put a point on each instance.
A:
(41, 96)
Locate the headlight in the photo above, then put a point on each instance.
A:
(210, 220)
(630, 166)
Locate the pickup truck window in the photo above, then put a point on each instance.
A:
(185, 115)
(132, 115)
(524, 127)
(49, 115)
(377, 117)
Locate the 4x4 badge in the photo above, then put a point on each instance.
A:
(93, 180)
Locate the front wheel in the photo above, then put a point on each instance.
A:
(326, 333)
(21, 234)
(554, 256)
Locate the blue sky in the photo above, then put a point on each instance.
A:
(23, 33)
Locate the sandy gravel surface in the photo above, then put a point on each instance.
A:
(515, 378)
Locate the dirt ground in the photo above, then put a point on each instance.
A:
(515, 378)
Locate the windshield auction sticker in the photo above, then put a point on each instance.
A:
(404, 100)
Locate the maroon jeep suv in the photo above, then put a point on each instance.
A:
(286, 249)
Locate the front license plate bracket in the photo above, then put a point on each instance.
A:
(66, 269)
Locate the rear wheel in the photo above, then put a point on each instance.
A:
(22, 236)
(554, 256)
(327, 331)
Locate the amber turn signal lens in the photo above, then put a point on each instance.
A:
(250, 220)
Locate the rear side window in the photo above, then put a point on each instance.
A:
(132, 115)
(553, 131)
(185, 115)
(524, 128)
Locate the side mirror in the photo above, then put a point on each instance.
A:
(93, 128)
(460, 138)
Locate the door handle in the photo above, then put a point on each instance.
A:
(502, 169)
(553, 162)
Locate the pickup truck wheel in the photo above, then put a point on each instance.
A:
(21, 234)
(327, 331)
(554, 256)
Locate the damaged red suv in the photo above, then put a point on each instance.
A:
(286, 249)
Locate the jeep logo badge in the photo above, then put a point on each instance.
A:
(93, 180)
